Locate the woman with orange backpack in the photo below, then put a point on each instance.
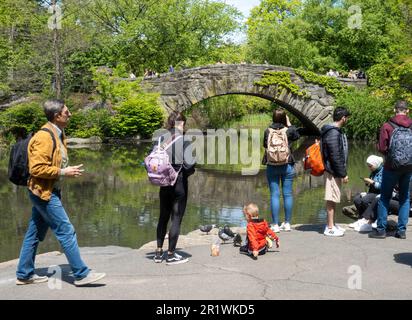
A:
(280, 166)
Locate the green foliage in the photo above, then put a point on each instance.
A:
(391, 80)
(141, 34)
(272, 12)
(319, 34)
(137, 115)
(368, 113)
(380, 46)
(332, 85)
(285, 45)
(257, 120)
(214, 112)
(147, 34)
(21, 24)
(4, 91)
(228, 53)
(25, 117)
(77, 101)
(281, 79)
(136, 112)
(85, 124)
(217, 112)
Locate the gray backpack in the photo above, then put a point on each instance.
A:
(399, 155)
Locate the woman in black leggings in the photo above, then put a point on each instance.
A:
(173, 199)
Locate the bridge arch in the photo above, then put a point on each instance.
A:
(180, 90)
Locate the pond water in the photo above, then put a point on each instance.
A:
(114, 204)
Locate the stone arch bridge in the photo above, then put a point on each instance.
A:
(180, 90)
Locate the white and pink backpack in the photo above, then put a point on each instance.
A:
(158, 166)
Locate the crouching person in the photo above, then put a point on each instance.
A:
(48, 164)
(258, 231)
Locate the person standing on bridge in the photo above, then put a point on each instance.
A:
(48, 165)
(334, 147)
(280, 166)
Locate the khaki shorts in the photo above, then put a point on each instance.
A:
(332, 188)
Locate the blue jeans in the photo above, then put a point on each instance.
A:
(275, 174)
(51, 214)
(389, 180)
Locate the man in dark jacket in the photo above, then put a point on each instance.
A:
(391, 177)
(335, 157)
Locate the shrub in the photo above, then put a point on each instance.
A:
(281, 79)
(392, 80)
(4, 91)
(332, 85)
(136, 112)
(139, 115)
(21, 119)
(218, 112)
(85, 124)
(368, 113)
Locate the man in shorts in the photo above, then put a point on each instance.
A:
(335, 158)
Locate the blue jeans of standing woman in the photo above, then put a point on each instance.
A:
(276, 175)
(45, 215)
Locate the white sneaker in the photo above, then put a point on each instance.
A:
(285, 226)
(33, 280)
(90, 278)
(340, 228)
(275, 228)
(334, 232)
(364, 228)
(375, 225)
(355, 224)
(361, 223)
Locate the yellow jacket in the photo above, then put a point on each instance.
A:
(44, 169)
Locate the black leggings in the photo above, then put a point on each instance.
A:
(172, 207)
(371, 212)
(362, 203)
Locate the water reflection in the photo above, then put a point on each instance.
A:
(113, 203)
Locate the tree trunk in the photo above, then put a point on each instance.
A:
(57, 58)
(11, 40)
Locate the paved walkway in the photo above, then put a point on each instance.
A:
(307, 266)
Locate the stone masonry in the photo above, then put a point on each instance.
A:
(180, 90)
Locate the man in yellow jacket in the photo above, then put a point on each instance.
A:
(48, 164)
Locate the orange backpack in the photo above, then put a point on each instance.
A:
(313, 160)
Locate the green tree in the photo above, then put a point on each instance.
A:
(135, 111)
(20, 23)
(142, 34)
(153, 34)
(272, 12)
(317, 34)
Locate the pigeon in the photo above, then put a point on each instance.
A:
(207, 228)
(237, 240)
(229, 232)
(222, 235)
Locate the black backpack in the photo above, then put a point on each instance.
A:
(399, 154)
(19, 162)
